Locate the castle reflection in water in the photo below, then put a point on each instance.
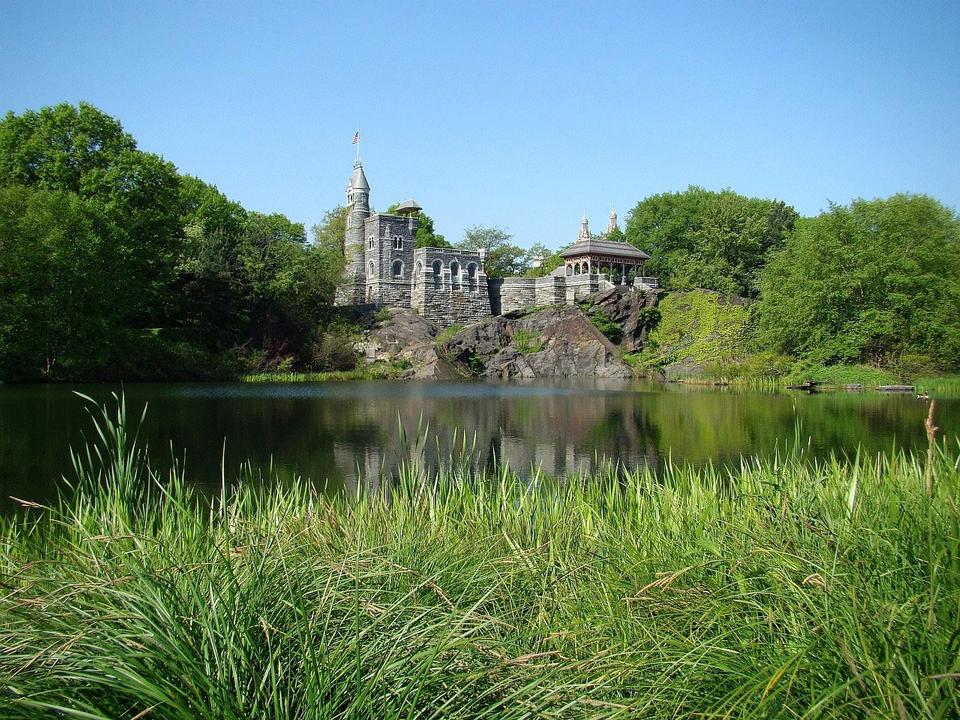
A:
(333, 434)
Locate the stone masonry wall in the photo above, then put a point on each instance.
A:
(579, 286)
(447, 297)
(550, 290)
(382, 285)
(517, 294)
(351, 290)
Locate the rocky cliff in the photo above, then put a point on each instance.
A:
(588, 340)
(558, 341)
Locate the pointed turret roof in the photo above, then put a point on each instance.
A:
(359, 180)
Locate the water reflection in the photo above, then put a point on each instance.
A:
(340, 433)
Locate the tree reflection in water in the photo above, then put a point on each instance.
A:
(335, 433)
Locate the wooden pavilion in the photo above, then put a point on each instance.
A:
(618, 261)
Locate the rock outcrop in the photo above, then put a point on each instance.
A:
(557, 341)
(408, 339)
(634, 312)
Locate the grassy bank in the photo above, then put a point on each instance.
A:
(374, 371)
(785, 589)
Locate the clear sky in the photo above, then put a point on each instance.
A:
(518, 114)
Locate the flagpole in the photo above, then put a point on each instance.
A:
(358, 146)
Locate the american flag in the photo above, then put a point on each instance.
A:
(356, 137)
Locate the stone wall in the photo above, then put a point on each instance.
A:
(550, 290)
(444, 291)
(351, 290)
(380, 231)
(579, 286)
(517, 294)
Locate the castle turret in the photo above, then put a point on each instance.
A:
(351, 289)
(584, 229)
(613, 222)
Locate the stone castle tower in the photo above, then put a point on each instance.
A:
(384, 267)
(352, 287)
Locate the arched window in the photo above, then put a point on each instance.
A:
(437, 270)
(455, 274)
(397, 270)
(472, 276)
(370, 242)
(371, 270)
(417, 272)
(576, 269)
(569, 269)
(398, 242)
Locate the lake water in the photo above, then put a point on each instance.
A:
(342, 432)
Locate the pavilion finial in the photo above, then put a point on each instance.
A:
(613, 221)
(584, 229)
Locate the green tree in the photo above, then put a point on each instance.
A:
(207, 273)
(714, 240)
(60, 147)
(59, 302)
(615, 235)
(503, 259)
(545, 260)
(83, 151)
(867, 283)
(330, 231)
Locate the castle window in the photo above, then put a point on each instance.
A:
(437, 270)
(371, 271)
(455, 274)
(397, 269)
(397, 242)
(472, 276)
(370, 242)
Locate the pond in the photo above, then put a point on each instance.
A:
(340, 432)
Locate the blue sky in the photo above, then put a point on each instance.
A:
(523, 115)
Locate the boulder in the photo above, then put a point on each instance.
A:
(554, 342)
(627, 308)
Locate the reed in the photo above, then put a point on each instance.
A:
(782, 588)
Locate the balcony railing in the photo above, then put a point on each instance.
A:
(650, 282)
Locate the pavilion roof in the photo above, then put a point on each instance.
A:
(604, 247)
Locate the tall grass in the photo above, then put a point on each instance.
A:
(785, 588)
(948, 386)
(374, 371)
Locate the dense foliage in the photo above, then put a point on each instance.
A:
(112, 265)
(115, 266)
(878, 281)
(704, 330)
(503, 258)
(787, 588)
(714, 240)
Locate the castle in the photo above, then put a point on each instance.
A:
(449, 285)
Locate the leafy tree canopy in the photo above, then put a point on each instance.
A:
(541, 260)
(713, 240)
(106, 250)
(503, 258)
(870, 282)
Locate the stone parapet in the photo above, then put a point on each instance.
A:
(449, 286)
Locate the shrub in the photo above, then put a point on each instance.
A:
(335, 349)
(612, 330)
(527, 342)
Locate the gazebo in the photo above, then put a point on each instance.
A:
(589, 256)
